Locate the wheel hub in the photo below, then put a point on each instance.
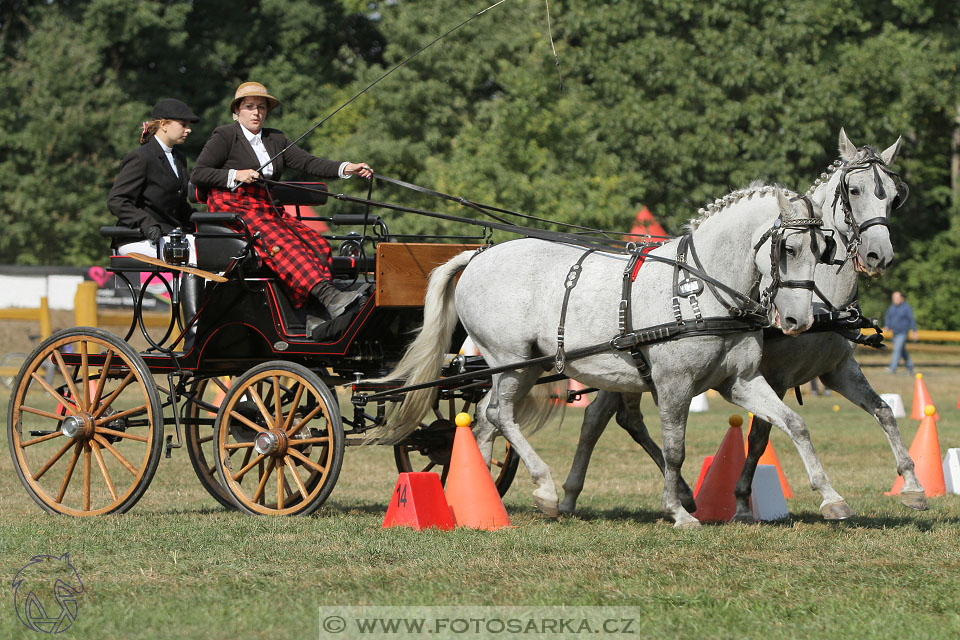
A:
(79, 425)
(271, 443)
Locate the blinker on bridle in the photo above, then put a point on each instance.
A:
(777, 241)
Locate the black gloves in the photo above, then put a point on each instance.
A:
(153, 234)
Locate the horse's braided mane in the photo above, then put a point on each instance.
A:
(756, 188)
(864, 154)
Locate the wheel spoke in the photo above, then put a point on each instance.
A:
(307, 461)
(86, 476)
(113, 396)
(41, 412)
(307, 418)
(281, 480)
(66, 376)
(123, 414)
(430, 465)
(278, 409)
(109, 447)
(66, 404)
(69, 473)
(103, 469)
(85, 374)
(238, 445)
(49, 436)
(293, 408)
(102, 378)
(247, 467)
(263, 408)
(204, 440)
(296, 477)
(121, 434)
(296, 442)
(52, 461)
(263, 480)
(219, 383)
(246, 421)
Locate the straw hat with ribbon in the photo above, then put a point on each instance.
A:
(253, 89)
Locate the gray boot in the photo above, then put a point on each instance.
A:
(334, 300)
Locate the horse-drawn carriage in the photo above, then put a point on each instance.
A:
(243, 380)
(272, 440)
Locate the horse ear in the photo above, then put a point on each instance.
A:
(890, 153)
(783, 202)
(847, 149)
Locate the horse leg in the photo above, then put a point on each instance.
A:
(484, 431)
(673, 423)
(756, 396)
(630, 417)
(595, 419)
(848, 380)
(756, 445)
(509, 388)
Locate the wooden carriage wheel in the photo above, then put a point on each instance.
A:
(279, 440)
(198, 435)
(429, 448)
(90, 445)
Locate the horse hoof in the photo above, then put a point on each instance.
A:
(915, 500)
(688, 503)
(744, 518)
(691, 523)
(567, 508)
(837, 511)
(547, 506)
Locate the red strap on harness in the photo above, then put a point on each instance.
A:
(643, 255)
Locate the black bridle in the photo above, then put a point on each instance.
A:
(867, 159)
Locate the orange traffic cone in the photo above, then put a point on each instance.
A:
(471, 493)
(715, 500)
(707, 461)
(925, 452)
(921, 398)
(770, 457)
(418, 502)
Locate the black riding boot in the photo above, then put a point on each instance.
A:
(191, 290)
(334, 300)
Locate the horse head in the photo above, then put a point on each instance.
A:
(795, 247)
(860, 194)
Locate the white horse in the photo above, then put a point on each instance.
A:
(509, 299)
(863, 181)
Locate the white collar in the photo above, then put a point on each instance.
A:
(165, 148)
(250, 135)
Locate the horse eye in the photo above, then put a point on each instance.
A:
(790, 251)
(854, 191)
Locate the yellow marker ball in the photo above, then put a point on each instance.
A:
(462, 420)
(929, 410)
(836, 407)
(736, 420)
(919, 376)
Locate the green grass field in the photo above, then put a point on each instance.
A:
(179, 566)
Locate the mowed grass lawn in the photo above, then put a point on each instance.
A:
(179, 566)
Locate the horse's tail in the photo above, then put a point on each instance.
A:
(544, 402)
(423, 359)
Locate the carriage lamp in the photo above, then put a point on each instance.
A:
(176, 250)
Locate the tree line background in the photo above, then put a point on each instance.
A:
(663, 103)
